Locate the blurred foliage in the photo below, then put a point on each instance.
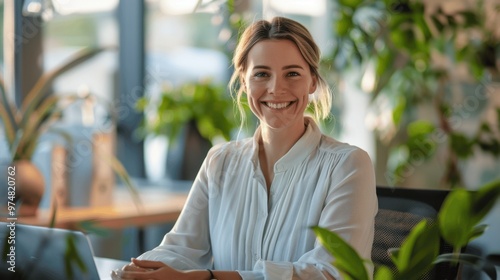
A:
(39, 110)
(23, 125)
(414, 49)
(457, 223)
(203, 102)
(209, 105)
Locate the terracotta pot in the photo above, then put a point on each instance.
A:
(30, 187)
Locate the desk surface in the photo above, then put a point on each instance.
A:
(158, 206)
(105, 266)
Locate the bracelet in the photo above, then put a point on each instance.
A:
(212, 277)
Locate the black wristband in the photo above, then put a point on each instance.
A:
(212, 277)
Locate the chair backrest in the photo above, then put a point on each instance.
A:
(400, 210)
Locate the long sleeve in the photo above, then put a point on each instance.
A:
(231, 222)
(187, 245)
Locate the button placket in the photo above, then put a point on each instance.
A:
(260, 225)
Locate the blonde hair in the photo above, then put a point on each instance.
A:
(280, 28)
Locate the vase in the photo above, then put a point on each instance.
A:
(186, 155)
(29, 187)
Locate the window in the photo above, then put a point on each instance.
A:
(77, 25)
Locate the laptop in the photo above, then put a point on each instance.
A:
(30, 252)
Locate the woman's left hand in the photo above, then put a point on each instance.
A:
(154, 270)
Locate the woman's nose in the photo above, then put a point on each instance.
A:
(276, 85)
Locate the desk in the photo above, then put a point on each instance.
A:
(158, 206)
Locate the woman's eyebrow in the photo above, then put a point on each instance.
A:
(292, 66)
(261, 67)
(283, 68)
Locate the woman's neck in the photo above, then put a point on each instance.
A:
(274, 144)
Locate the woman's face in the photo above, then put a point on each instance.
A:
(278, 82)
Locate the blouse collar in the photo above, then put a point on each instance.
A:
(299, 151)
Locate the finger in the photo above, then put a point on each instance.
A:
(148, 264)
(133, 267)
(137, 275)
(114, 275)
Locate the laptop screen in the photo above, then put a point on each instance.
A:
(30, 252)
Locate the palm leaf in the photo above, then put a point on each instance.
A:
(7, 114)
(120, 170)
(32, 130)
(39, 90)
(10, 131)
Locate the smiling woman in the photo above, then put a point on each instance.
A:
(250, 209)
(278, 83)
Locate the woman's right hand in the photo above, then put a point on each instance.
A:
(116, 274)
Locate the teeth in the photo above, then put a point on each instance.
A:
(278, 105)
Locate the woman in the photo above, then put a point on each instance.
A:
(250, 209)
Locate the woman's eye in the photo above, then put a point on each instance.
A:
(260, 74)
(292, 74)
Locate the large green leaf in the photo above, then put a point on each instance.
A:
(347, 259)
(383, 273)
(418, 251)
(454, 218)
(463, 210)
(484, 200)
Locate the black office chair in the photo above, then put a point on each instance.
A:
(399, 211)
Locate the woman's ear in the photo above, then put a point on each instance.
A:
(314, 84)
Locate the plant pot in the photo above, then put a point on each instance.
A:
(186, 155)
(29, 187)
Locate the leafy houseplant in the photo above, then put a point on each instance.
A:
(23, 126)
(457, 223)
(199, 113)
(433, 65)
(203, 103)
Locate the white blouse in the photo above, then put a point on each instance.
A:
(230, 223)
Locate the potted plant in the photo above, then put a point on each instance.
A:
(457, 223)
(433, 66)
(23, 127)
(193, 117)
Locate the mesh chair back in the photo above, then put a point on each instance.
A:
(399, 211)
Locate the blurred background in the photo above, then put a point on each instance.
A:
(416, 84)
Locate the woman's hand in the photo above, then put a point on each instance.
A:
(142, 269)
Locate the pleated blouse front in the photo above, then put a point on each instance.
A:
(230, 222)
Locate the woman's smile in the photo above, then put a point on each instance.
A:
(278, 105)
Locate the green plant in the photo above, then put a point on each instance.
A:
(39, 110)
(204, 102)
(457, 223)
(23, 126)
(429, 63)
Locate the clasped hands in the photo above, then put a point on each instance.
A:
(143, 269)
